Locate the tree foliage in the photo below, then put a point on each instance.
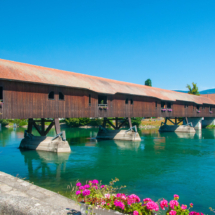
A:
(148, 82)
(76, 122)
(193, 90)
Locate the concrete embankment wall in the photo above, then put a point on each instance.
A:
(19, 197)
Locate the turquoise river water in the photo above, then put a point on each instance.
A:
(159, 166)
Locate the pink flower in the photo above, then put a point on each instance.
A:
(81, 188)
(135, 197)
(176, 197)
(86, 192)
(135, 213)
(173, 203)
(163, 204)
(78, 192)
(147, 200)
(95, 186)
(86, 186)
(95, 181)
(107, 195)
(152, 206)
(78, 184)
(123, 197)
(118, 195)
(183, 207)
(102, 186)
(191, 205)
(172, 212)
(118, 203)
(90, 182)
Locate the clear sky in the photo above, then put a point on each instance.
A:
(172, 42)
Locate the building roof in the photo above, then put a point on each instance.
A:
(10, 70)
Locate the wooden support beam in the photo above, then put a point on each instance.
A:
(171, 121)
(57, 125)
(49, 128)
(111, 124)
(129, 122)
(117, 127)
(37, 128)
(30, 126)
(104, 122)
(123, 123)
(43, 126)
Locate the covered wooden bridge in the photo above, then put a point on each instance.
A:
(28, 92)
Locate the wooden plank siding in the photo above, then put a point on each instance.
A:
(26, 100)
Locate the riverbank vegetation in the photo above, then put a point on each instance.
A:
(107, 197)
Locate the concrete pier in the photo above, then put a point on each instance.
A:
(208, 121)
(118, 135)
(196, 122)
(177, 128)
(45, 144)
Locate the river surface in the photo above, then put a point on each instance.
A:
(159, 166)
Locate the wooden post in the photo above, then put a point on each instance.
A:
(129, 122)
(165, 120)
(30, 125)
(57, 126)
(104, 122)
(117, 127)
(43, 127)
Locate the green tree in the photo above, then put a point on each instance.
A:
(193, 90)
(148, 82)
(72, 122)
(84, 121)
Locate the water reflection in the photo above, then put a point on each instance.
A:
(127, 144)
(43, 164)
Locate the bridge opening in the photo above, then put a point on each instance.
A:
(1, 93)
(61, 96)
(210, 108)
(51, 95)
(169, 105)
(162, 104)
(89, 99)
(102, 100)
(126, 101)
(197, 107)
(132, 101)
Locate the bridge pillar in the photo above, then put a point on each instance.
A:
(176, 125)
(208, 121)
(43, 143)
(196, 122)
(117, 134)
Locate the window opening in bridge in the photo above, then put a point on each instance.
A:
(156, 104)
(169, 105)
(61, 96)
(210, 108)
(186, 106)
(102, 100)
(126, 101)
(51, 95)
(1, 93)
(162, 104)
(89, 99)
(132, 102)
(197, 107)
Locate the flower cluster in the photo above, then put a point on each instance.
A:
(97, 195)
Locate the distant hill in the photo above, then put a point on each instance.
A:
(209, 91)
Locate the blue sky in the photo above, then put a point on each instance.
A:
(172, 42)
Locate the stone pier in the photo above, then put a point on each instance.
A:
(196, 122)
(208, 121)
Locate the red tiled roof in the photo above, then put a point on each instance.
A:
(16, 71)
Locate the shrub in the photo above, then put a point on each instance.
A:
(4, 122)
(20, 122)
(72, 122)
(84, 121)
